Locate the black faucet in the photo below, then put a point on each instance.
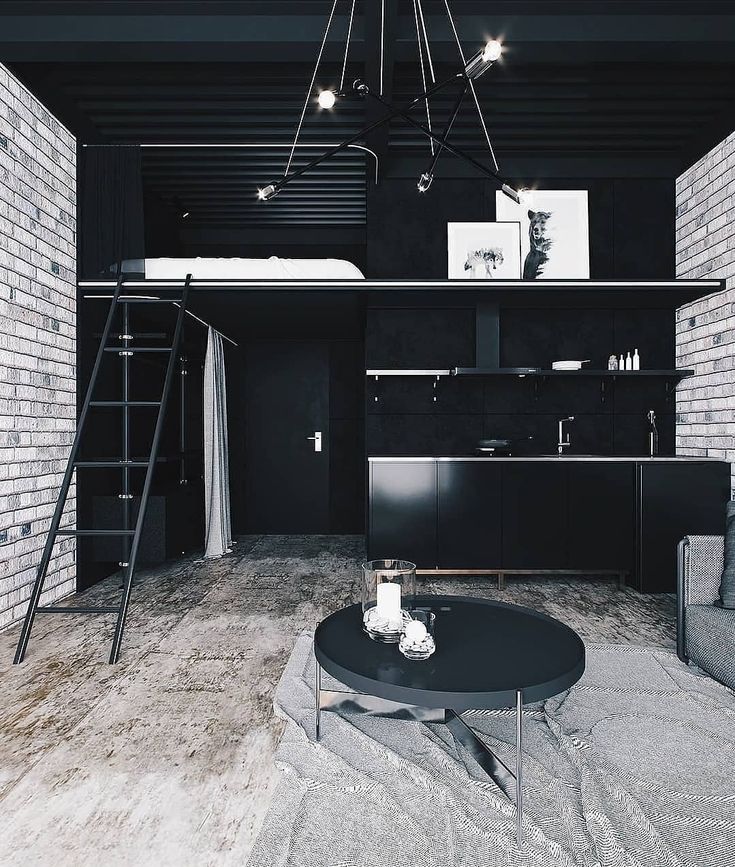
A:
(652, 434)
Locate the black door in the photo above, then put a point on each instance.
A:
(286, 479)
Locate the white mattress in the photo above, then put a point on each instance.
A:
(252, 269)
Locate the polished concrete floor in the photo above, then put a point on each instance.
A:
(166, 758)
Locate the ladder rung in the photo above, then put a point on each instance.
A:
(77, 609)
(111, 463)
(125, 403)
(96, 532)
(134, 349)
(149, 300)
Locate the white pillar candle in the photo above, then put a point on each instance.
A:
(389, 601)
(415, 631)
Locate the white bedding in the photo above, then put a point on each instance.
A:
(252, 269)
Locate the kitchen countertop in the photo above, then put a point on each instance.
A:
(553, 458)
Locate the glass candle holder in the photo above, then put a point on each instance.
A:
(417, 639)
(388, 590)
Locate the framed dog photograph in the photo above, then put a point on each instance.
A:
(484, 251)
(554, 232)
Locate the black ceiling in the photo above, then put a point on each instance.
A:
(629, 88)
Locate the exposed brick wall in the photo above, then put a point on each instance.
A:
(705, 329)
(37, 341)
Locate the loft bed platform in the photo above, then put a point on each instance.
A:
(585, 293)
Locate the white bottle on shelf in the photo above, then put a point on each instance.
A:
(636, 361)
(621, 362)
(629, 363)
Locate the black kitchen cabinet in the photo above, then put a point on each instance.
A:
(403, 509)
(675, 500)
(534, 515)
(601, 529)
(469, 515)
(505, 515)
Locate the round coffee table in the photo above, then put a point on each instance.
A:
(488, 655)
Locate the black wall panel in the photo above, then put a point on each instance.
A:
(643, 229)
(631, 224)
(417, 415)
(420, 338)
(407, 230)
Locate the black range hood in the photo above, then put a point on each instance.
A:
(487, 335)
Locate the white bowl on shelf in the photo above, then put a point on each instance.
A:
(568, 365)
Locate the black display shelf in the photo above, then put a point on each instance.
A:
(531, 371)
(536, 371)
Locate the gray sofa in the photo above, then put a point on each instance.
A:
(705, 631)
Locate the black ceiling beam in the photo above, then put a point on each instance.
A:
(316, 7)
(682, 52)
(102, 35)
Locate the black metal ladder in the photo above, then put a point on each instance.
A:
(126, 533)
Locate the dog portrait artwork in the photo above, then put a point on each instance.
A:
(484, 251)
(484, 263)
(540, 241)
(554, 228)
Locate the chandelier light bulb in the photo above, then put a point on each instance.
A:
(267, 192)
(326, 98)
(492, 51)
(424, 182)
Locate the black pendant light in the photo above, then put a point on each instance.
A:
(463, 80)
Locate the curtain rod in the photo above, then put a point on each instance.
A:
(176, 304)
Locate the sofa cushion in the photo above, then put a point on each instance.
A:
(727, 584)
(710, 640)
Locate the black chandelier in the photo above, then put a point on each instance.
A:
(464, 80)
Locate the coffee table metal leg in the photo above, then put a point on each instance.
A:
(318, 697)
(492, 765)
(503, 777)
(519, 766)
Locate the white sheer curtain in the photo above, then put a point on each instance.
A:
(216, 451)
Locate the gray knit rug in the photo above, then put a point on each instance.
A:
(633, 766)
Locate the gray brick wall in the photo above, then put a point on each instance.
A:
(37, 341)
(705, 329)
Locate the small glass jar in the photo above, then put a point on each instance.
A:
(388, 591)
(417, 639)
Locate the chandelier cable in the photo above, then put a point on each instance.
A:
(382, 44)
(426, 41)
(347, 48)
(311, 88)
(423, 70)
(472, 87)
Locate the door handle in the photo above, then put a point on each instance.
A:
(317, 438)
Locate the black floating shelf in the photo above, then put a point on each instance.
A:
(533, 371)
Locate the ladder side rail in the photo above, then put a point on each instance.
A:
(143, 508)
(64, 489)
